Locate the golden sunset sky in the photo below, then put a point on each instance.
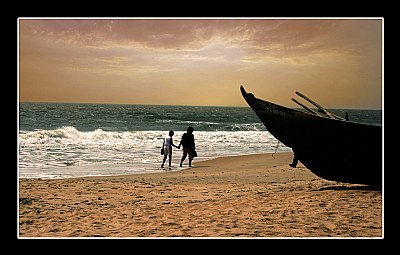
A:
(202, 61)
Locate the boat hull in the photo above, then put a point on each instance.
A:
(332, 149)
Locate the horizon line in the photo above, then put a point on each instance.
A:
(154, 104)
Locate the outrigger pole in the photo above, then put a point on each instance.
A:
(320, 108)
(305, 107)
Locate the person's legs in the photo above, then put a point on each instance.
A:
(185, 152)
(166, 153)
(190, 158)
(165, 158)
(170, 158)
(294, 162)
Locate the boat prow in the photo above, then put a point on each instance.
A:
(330, 147)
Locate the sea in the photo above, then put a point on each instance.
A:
(67, 140)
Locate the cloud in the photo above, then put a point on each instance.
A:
(208, 51)
(258, 38)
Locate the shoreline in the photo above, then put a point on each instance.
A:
(201, 164)
(152, 169)
(248, 196)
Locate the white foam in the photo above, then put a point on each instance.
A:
(67, 152)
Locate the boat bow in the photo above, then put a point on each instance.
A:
(331, 148)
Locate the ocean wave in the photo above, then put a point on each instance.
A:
(67, 148)
(68, 135)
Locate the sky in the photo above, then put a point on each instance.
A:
(201, 61)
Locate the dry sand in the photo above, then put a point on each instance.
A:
(243, 196)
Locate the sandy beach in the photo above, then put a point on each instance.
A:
(254, 196)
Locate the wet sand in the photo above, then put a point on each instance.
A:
(254, 196)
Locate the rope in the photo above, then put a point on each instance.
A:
(276, 148)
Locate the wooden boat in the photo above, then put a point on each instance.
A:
(329, 146)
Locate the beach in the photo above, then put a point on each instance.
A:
(252, 196)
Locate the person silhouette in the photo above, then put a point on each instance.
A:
(167, 145)
(188, 145)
